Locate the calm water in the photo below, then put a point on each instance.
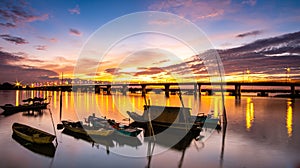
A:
(261, 132)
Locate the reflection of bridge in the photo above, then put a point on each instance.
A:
(234, 88)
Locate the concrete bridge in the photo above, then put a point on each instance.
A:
(190, 88)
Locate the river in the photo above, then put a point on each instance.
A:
(261, 132)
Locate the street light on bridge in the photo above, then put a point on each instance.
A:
(288, 70)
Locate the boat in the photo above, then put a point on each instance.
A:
(31, 134)
(121, 140)
(33, 104)
(42, 149)
(119, 128)
(78, 127)
(173, 118)
(125, 130)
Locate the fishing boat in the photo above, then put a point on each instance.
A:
(167, 117)
(42, 149)
(119, 128)
(35, 103)
(126, 130)
(78, 127)
(31, 134)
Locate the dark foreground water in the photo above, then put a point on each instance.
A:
(261, 132)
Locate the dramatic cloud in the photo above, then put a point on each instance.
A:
(162, 61)
(75, 10)
(149, 71)
(13, 13)
(13, 39)
(10, 71)
(52, 40)
(194, 10)
(112, 70)
(251, 33)
(249, 2)
(74, 32)
(41, 47)
(7, 25)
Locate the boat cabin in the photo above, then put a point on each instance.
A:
(166, 114)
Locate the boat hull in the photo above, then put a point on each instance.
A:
(42, 149)
(31, 134)
(76, 127)
(20, 108)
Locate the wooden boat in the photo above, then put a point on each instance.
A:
(31, 134)
(119, 128)
(105, 141)
(42, 149)
(31, 104)
(125, 129)
(175, 118)
(78, 127)
(121, 140)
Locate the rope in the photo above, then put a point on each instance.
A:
(53, 127)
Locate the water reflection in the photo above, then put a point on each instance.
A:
(17, 97)
(289, 117)
(249, 113)
(181, 146)
(44, 149)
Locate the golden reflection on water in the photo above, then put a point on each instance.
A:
(289, 118)
(67, 99)
(249, 113)
(54, 99)
(17, 97)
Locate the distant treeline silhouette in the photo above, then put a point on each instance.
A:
(9, 86)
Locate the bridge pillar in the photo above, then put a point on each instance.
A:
(195, 89)
(144, 90)
(237, 90)
(124, 89)
(108, 92)
(167, 90)
(293, 91)
(199, 89)
(97, 89)
(263, 93)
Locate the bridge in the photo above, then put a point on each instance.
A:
(234, 88)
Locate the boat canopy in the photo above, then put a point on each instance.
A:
(166, 114)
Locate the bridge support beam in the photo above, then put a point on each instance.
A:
(195, 89)
(199, 89)
(237, 90)
(108, 92)
(97, 89)
(167, 90)
(124, 89)
(293, 91)
(144, 90)
(263, 93)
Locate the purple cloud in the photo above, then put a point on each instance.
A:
(74, 32)
(9, 71)
(41, 47)
(249, 2)
(112, 70)
(251, 33)
(18, 12)
(150, 71)
(13, 39)
(75, 10)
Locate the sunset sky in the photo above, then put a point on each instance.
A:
(41, 39)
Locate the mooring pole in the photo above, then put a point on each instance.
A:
(60, 97)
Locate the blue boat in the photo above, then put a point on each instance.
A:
(125, 129)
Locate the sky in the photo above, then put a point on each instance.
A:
(39, 40)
